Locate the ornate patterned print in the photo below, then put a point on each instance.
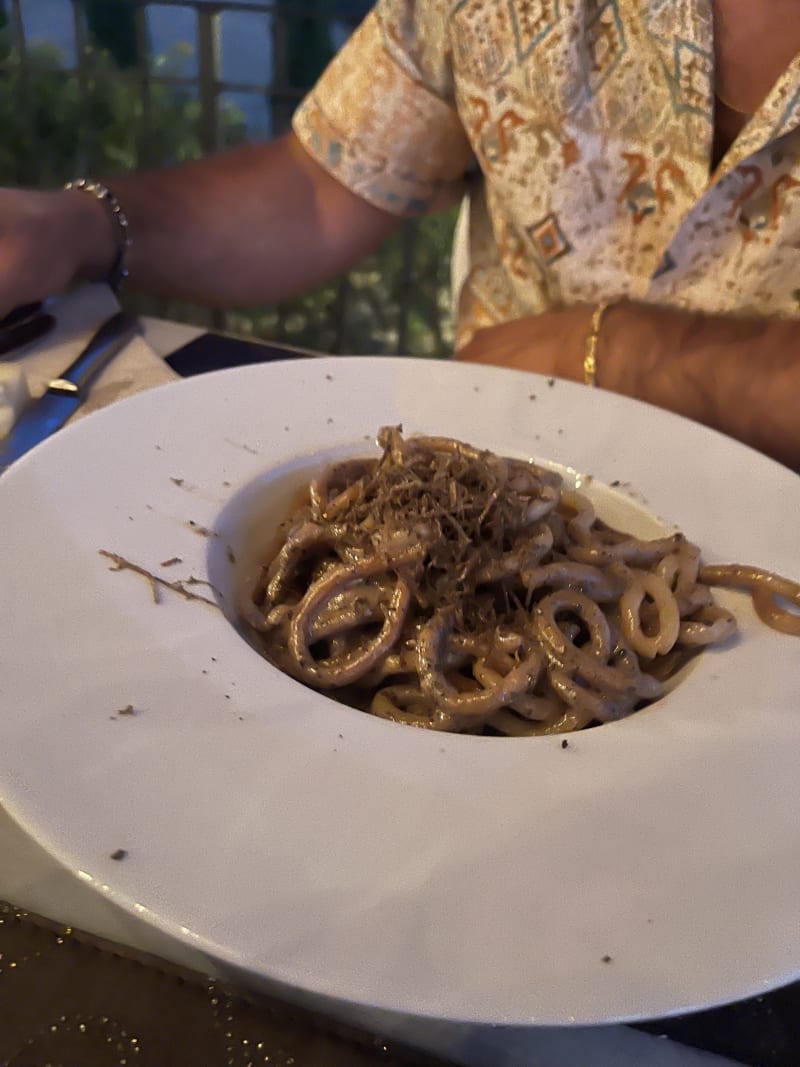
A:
(582, 132)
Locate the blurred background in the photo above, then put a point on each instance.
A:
(98, 87)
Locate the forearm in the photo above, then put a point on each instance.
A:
(738, 375)
(255, 225)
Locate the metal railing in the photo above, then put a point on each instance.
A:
(353, 315)
(208, 80)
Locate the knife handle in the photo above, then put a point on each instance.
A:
(112, 336)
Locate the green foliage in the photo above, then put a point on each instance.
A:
(57, 125)
(5, 35)
(396, 301)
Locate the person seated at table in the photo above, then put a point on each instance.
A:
(632, 180)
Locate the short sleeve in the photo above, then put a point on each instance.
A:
(382, 118)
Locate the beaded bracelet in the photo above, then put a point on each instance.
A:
(119, 222)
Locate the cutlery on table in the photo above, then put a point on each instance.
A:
(64, 395)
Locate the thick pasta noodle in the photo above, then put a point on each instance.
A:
(454, 589)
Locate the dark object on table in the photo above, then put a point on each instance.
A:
(217, 351)
(19, 314)
(761, 1032)
(22, 326)
(70, 998)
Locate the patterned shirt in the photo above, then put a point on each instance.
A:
(582, 131)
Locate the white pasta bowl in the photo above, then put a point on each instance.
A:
(649, 867)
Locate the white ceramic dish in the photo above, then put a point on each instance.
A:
(468, 878)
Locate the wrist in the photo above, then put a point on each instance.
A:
(91, 234)
(619, 337)
(591, 344)
(570, 354)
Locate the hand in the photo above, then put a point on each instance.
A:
(736, 374)
(46, 240)
(553, 343)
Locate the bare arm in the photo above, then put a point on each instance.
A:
(254, 225)
(738, 375)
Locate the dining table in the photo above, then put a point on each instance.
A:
(47, 906)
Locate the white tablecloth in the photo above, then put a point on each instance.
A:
(30, 878)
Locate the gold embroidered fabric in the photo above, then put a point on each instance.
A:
(582, 132)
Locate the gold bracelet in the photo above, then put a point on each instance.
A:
(590, 357)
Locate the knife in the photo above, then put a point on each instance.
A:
(65, 395)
